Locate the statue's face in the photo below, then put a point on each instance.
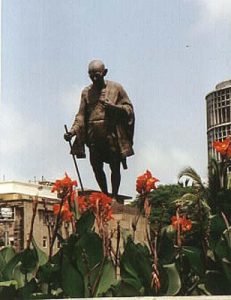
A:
(96, 72)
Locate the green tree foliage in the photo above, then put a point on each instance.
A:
(162, 200)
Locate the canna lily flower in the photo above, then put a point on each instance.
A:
(145, 183)
(82, 204)
(101, 206)
(100, 198)
(224, 147)
(185, 224)
(63, 184)
(66, 214)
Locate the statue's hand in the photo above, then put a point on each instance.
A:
(107, 104)
(68, 136)
(113, 107)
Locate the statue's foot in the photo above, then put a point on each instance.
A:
(118, 199)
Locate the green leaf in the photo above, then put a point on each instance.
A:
(92, 244)
(2, 261)
(227, 235)
(136, 263)
(42, 256)
(222, 249)
(227, 269)
(216, 283)
(85, 222)
(203, 291)
(29, 261)
(125, 289)
(19, 276)
(217, 227)
(7, 253)
(130, 276)
(9, 267)
(194, 257)
(167, 251)
(26, 291)
(8, 283)
(72, 281)
(174, 282)
(107, 278)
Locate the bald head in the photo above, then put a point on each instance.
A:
(96, 65)
(97, 71)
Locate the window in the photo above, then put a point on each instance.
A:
(58, 244)
(44, 242)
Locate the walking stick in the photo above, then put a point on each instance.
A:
(75, 163)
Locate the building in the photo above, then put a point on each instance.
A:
(16, 210)
(218, 107)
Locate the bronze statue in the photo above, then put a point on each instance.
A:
(105, 123)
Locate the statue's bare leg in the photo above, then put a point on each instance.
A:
(100, 176)
(115, 177)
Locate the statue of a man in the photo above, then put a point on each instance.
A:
(105, 123)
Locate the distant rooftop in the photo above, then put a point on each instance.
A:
(26, 188)
(223, 84)
(41, 189)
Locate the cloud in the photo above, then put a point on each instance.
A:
(216, 10)
(13, 131)
(212, 13)
(166, 163)
(29, 147)
(18, 134)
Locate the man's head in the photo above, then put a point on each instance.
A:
(97, 71)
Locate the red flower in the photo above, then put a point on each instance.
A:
(65, 213)
(101, 206)
(82, 204)
(146, 182)
(98, 198)
(185, 224)
(64, 184)
(224, 147)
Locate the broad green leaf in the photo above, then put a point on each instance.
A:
(222, 249)
(19, 276)
(125, 289)
(27, 290)
(2, 261)
(216, 283)
(166, 250)
(29, 260)
(7, 253)
(174, 282)
(90, 245)
(136, 258)
(86, 222)
(72, 280)
(42, 256)
(227, 269)
(194, 257)
(170, 232)
(227, 235)
(217, 227)
(9, 267)
(107, 278)
(201, 287)
(130, 276)
(8, 283)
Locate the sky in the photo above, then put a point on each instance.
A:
(167, 55)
